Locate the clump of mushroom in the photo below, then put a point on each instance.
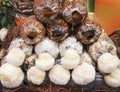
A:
(11, 76)
(46, 10)
(47, 46)
(108, 63)
(35, 75)
(74, 11)
(83, 74)
(70, 59)
(70, 43)
(90, 31)
(32, 31)
(15, 57)
(45, 61)
(58, 30)
(113, 79)
(56, 75)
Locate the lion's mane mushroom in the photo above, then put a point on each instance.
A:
(108, 62)
(113, 79)
(15, 57)
(35, 75)
(47, 46)
(70, 59)
(70, 43)
(59, 75)
(11, 76)
(45, 61)
(83, 74)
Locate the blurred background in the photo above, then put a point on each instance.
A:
(108, 13)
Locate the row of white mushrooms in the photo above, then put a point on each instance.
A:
(11, 75)
(72, 57)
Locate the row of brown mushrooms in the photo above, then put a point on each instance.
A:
(33, 31)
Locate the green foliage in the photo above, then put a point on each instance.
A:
(7, 15)
(6, 2)
(91, 5)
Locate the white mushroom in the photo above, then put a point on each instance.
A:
(108, 62)
(20, 43)
(45, 61)
(3, 33)
(35, 75)
(48, 46)
(15, 57)
(59, 75)
(83, 74)
(70, 59)
(11, 76)
(70, 43)
(113, 79)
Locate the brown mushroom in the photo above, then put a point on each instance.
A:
(74, 11)
(46, 10)
(24, 6)
(58, 30)
(32, 31)
(90, 31)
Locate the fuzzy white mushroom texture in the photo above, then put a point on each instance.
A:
(70, 59)
(20, 43)
(45, 61)
(113, 79)
(108, 62)
(48, 46)
(70, 43)
(59, 75)
(15, 57)
(3, 33)
(83, 74)
(35, 75)
(11, 76)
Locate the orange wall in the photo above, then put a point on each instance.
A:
(108, 13)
